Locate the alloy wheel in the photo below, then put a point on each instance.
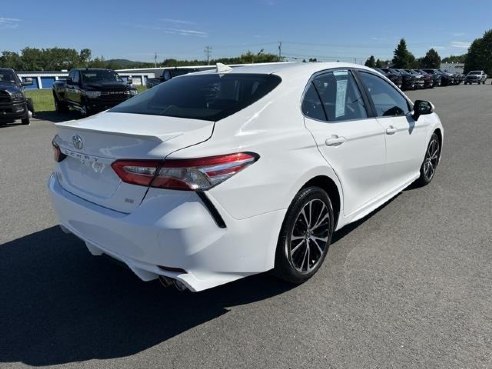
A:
(310, 236)
(431, 159)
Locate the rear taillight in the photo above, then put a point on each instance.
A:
(183, 174)
(57, 153)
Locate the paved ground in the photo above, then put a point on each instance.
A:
(408, 287)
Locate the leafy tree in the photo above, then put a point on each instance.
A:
(430, 60)
(85, 56)
(370, 62)
(10, 59)
(480, 54)
(379, 63)
(454, 59)
(402, 57)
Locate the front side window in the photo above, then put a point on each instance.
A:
(387, 100)
(8, 76)
(339, 95)
(207, 96)
(75, 77)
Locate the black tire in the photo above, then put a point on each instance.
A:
(60, 107)
(30, 105)
(303, 243)
(26, 121)
(431, 161)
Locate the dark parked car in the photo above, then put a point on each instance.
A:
(425, 80)
(392, 75)
(409, 80)
(458, 78)
(91, 90)
(436, 77)
(13, 103)
(447, 78)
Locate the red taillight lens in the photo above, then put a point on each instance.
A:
(183, 174)
(139, 172)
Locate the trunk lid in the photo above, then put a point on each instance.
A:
(94, 143)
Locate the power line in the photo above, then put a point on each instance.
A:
(208, 53)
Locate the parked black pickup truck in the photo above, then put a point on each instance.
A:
(90, 91)
(13, 103)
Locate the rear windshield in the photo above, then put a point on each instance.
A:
(207, 97)
(99, 75)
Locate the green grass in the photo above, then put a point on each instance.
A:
(43, 99)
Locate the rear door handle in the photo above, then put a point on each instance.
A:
(335, 140)
(391, 130)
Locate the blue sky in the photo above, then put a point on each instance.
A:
(327, 30)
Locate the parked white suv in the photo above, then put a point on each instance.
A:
(475, 76)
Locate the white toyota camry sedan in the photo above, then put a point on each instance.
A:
(214, 176)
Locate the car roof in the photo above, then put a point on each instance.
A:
(291, 70)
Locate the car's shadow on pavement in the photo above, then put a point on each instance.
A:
(53, 116)
(59, 304)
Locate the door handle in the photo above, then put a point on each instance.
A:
(391, 130)
(335, 140)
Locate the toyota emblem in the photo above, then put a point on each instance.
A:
(77, 142)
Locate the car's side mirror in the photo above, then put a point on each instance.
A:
(422, 107)
(69, 81)
(27, 82)
(129, 80)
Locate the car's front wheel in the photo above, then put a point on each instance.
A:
(60, 107)
(305, 236)
(431, 160)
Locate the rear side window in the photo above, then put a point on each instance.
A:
(387, 100)
(334, 96)
(206, 97)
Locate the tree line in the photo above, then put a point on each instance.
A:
(404, 59)
(479, 57)
(56, 59)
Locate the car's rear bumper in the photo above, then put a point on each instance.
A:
(172, 232)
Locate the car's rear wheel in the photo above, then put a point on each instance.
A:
(431, 160)
(305, 236)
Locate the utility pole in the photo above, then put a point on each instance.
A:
(280, 51)
(208, 52)
(155, 60)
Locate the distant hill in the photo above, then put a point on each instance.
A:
(126, 64)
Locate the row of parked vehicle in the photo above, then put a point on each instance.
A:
(411, 79)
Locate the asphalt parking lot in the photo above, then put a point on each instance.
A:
(410, 286)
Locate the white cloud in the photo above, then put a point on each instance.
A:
(177, 21)
(460, 44)
(172, 31)
(9, 22)
(185, 32)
